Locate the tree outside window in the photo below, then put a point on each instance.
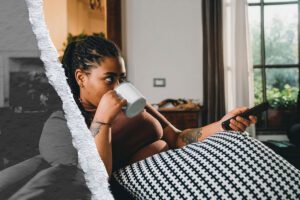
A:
(274, 33)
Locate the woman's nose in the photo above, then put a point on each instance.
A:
(117, 84)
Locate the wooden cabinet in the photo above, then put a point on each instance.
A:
(183, 119)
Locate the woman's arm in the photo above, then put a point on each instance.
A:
(109, 107)
(189, 136)
(102, 134)
(177, 139)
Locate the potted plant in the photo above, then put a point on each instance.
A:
(283, 104)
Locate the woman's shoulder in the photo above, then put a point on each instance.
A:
(55, 143)
(55, 123)
(58, 114)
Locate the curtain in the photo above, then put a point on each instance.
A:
(213, 65)
(238, 69)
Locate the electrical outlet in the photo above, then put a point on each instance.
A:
(159, 82)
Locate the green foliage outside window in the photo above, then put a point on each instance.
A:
(283, 98)
(282, 88)
(281, 47)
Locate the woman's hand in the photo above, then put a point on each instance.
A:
(240, 124)
(109, 107)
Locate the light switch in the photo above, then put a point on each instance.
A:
(159, 82)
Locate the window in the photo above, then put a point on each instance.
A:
(274, 31)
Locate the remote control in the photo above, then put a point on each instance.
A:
(252, 111)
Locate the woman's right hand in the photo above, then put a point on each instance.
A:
(109, 107)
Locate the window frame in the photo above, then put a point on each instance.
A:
(263, 66)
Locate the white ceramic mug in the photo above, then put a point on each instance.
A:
(136, 102)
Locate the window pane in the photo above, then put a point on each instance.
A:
(282, 87)
(281, 34)
(29, 89)
(255, 30)
(258, 91)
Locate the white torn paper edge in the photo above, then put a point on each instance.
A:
(94, 170)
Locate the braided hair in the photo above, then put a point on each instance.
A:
(84, 54)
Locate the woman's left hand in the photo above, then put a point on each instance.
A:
(240, 124)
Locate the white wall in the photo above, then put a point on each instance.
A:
(163, 39)
(17, 39)
(15, 29)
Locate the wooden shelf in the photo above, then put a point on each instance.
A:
(183, 119)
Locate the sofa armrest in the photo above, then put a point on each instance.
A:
(14, 177)
(63, 182)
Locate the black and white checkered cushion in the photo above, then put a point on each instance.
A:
(228, 165)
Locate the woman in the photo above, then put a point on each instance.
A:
(94, 67)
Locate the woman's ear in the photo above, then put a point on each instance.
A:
(80, 77)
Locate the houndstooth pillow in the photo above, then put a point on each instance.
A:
(227, 165)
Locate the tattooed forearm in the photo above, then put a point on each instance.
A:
(94, 128)
(191, 135)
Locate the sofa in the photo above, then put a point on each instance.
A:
(34, 178)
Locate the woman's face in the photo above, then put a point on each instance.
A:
(99, 80)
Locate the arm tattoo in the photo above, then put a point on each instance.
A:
(94, 128)
(191, 136)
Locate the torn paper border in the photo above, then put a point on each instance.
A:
(94, 170)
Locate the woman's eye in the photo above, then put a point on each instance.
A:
(123, 79)
(109, 79)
